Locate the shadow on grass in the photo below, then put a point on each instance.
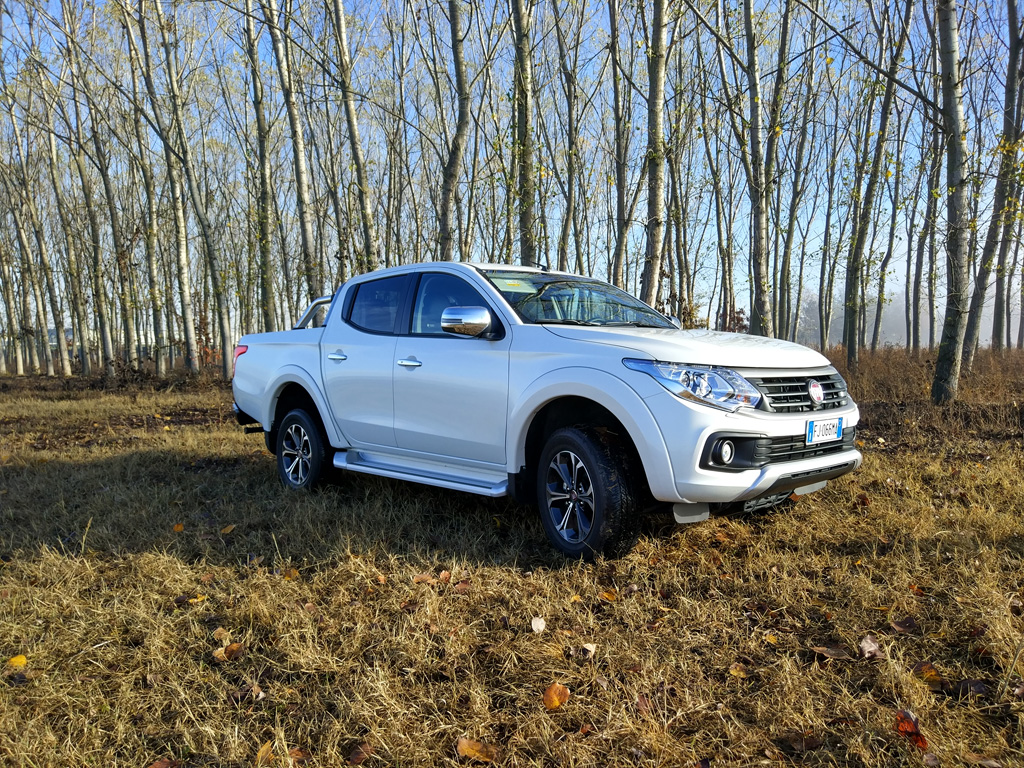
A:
(230, 509)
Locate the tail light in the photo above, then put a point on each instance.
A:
(240, 349)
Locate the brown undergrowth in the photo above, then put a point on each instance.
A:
(143, 536)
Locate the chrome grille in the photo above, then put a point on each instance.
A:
(788, 394)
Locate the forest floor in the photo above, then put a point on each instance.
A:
(164, 602)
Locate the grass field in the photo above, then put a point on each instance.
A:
(163, 601)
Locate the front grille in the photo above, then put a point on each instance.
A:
(775, 450)
(788, 394)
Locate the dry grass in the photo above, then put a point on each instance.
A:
(347, 649)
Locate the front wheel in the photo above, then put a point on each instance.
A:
(585, 496)
(301, 451)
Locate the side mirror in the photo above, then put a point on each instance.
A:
(466, 321)
(676, 322)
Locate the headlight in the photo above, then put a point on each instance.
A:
(718, 387)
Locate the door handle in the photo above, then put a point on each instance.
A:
(410, 363)
(337, 356)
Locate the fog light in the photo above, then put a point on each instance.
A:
(724, 452)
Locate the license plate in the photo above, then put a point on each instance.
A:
(824, 431)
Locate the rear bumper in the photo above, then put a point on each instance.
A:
(243, 418)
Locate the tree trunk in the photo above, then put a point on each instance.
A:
(284, 69)
(522, 18)
(453, 167)
(181, 259)
(268, 298)
(954, 327)
(651, 280)
(358, 162)
(1001, 209)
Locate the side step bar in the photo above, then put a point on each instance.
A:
(358, 462)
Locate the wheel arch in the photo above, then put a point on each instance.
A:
(603, 402)
(294, 390)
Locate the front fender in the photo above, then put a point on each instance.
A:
(295, 374)
(611, 393)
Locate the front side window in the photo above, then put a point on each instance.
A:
(547, 298)
(375, 305)
(436, 293)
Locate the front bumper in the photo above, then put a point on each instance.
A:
(689, 429)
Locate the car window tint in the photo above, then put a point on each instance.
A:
(375, 305)
(436, 293)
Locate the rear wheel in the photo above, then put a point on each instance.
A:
(586, 498)
(301, 451)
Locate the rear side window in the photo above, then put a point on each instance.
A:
(376, 304)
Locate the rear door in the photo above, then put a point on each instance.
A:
(358, 361)
(451, 392)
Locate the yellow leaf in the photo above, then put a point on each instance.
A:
(167, 429)
(609, 595)
(227, 529)
(773, 639)
(179, 527)
(17, 662)
(575, 599)
(290, 574)
(265, 754)
(476, 750)
(555, 696)
(739, 670)
(197, 599)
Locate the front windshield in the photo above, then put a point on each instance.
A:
(551, 298)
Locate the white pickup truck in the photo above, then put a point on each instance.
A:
(559, 390)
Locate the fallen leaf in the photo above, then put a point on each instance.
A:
(555, 696)
(1019, 691)
(423, 578)
(248, 691)
(290, 574)
(408, 606)
(799, 742)
(179, 527)
(227, 529)
(165, 762)
(298, 755)
(926, 671)
(863, 500)
(538, 624)
(196, 599)
(931, 760)
(916, 590)
(739, 670)
(969, 689)
(907, 725)
(603, 681)
(220, 634)
(643, 704)
(609, 595)
(832, 652)
(17, 662)
(462, 587)
(985, 762)
(444, 577)
(589, 649)
(575, 599)
(229, 653)
(360, 754)
(476, 750)
(382, 579)
(265, 754)
(1016, 606)
(870, 649)
(905, 626)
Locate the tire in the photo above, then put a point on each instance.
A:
(301, 451)
(585, 496)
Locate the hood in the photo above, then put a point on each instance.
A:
(698, 347)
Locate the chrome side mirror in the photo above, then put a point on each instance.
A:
(466, 321)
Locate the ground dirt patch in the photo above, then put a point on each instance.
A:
(161, 597)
